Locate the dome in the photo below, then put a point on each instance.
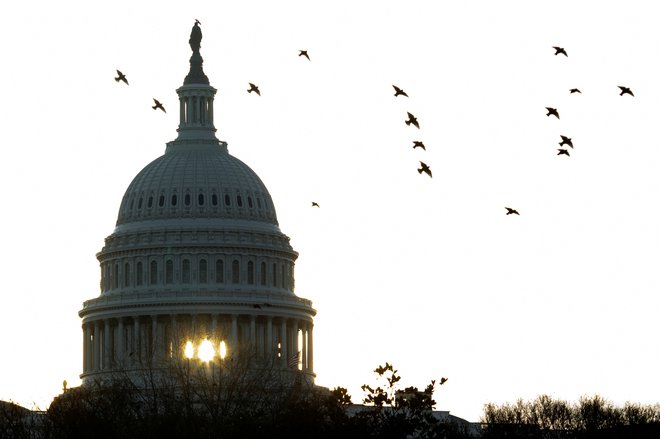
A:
(200, 181)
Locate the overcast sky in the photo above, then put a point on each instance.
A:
(429, 274)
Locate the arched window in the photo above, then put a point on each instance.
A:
(185, 271)
(227, 200)
(153, 273)
(174, 200)
(127, 274)
(219, 271)
(239, 201)
(283, 276)
(250, 202)
(186, 200)
(202, 271)
(138, 273)
(250, 273)
(169, 271)
(235, 271)
(115, 276)
(274, 274)
(161, 201)
(150, 202)
(200, 199)
(214, 199)
(262, 274)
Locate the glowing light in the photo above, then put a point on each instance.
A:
(206, 352)
(223, 350)
(189, 350)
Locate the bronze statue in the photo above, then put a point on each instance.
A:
(195, 37)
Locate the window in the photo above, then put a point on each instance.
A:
(227, 200)
(262, 273)
(202, 271)
(239, 201)
(250, 202)
(127, 274)
(219, 271)
(174, 200)
(150, 202)
(161, 201)
(250, 273)
(169, 271)
(274, 274)
(283, 276)
(214, 199)
(153, 273)
(115, 276)
(200, 199)
(138, 273)
(186, 200)
(235, 272)
(140, 203)
(185, 271)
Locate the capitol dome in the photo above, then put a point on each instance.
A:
(196, 256)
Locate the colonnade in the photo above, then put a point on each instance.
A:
(131, 342)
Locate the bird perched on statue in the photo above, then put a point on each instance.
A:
(253, 88)
(158, 106)
(412, 120)
(315, 204)
(121, 77)
(197, 22)
(566, 141)
(304, 53)
(418, 144)
(511, 211)
(398, 91)
(575, 90)
(559, 50)
(552, 112)
(424, 168)
(625, 90)
(563, 151)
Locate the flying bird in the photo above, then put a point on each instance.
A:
(563, 151)
(398, 91)
(121, 77)
(443, 380)
(158, 105)
(575, 90)
(511, 211)
(304, 53)
(418, 144)
(253, 88)
(552, 112)
(566, 141)
(412, 120)
(559, 50)
(315, 204)
(625, 90)
(425, 168)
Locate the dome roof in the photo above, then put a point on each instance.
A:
(200, 181)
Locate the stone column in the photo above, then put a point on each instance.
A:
(269, 338)
(310, 347)
(234, 333)
(85, 346)
(303, 348)
(155, 345)
(107, 344)
(253, 333)
(97, 347)
(283, 342)
(136, 341)
(121, 349)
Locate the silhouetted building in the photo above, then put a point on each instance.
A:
(196, 260)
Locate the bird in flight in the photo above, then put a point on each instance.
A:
(563, 151)
(418, 144)
(566, 141)
(398, 91)
(315, 204)
(625, 90)
(253, 88)
(511, 211)
(121, 77)
(157, 105)
(412, 120)
(304, 53)
(425, 168)
(552, 112)
(559, 50)
(575, 90)
(443, 380)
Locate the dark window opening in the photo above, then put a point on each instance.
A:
(262, 274)
(186, 200)
(227, 200)
(174, 200)
(250, 273)
(219, 271)
(250, 202)
(185, 271)
(202, 271)
(138, 273)
(235, 272)
(169, 272)
(200, 199)
(239, 201)
(214, 199)
(150, 202)
(153, 273)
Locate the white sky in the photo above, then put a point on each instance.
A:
(427, 274)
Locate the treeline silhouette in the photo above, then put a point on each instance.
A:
(228, 403)
(590, 417)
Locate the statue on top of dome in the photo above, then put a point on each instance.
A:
(195, 40)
